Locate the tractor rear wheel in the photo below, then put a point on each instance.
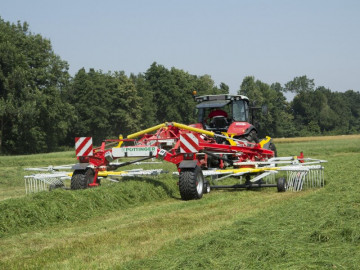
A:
(191, 183)
(82, 178)
(252, 137)
(273, 148)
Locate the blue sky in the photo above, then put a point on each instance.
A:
(274, 41)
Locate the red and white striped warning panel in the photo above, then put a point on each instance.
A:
(83, 146)
(189, 143)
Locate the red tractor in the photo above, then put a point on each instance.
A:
(230, 115)
(226, 113)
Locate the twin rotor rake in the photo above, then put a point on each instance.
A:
(254, 164)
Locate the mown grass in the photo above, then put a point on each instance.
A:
(60, 206)
(315, 229)
(320, 230)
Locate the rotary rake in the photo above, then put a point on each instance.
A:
(53, 177)
(203, 159)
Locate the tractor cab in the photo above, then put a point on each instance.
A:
(225, 113)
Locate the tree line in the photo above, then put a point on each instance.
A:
(42, 107)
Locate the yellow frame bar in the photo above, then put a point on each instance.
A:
(248, 170)
(198, 130)
(137, 134)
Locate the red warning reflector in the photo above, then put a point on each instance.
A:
(189, 143)
(83, 146)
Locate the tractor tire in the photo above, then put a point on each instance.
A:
(273, 148)
(281, 185)
(252, 137)
(82, 178)
(191, 184)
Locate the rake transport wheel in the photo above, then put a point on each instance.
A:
(281, 184)
(191, 183)
(82, 178)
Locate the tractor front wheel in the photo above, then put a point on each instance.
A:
(191, 183)
(82, 178)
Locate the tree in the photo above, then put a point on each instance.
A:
(33, 117)
(146, 95)
(278, 121)
(352, 98)
(125, 116)
(90, 95)
(224, 88)
(172, 93)
(335, 116)
(300, 84)
(250, 89)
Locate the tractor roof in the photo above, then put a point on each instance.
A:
(223, 99)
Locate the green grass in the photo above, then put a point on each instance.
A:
(142, 224)
(61, 206)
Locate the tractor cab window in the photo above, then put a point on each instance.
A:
(200, 114)
(208, 109)
(240, 111)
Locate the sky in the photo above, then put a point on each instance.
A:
(274, 41)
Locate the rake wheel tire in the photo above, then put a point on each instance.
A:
(191, 184)
(207, 187)
(281, 185)
(82, 178)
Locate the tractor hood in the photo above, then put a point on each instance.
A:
(213, 104)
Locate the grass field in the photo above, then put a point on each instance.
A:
(143, 224)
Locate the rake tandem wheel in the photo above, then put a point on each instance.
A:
(281, 184)
(82, 178)
(191, 183)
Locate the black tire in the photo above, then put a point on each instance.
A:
(252, 137)
(273, 148)
(82, 178)
(207, 187)
(55, 186)
(281, 185)
(191, 184)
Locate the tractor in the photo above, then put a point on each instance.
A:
(231, 115)
(226, 113)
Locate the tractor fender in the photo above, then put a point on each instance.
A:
(188, 164)
(81, 166)
(241, 128)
